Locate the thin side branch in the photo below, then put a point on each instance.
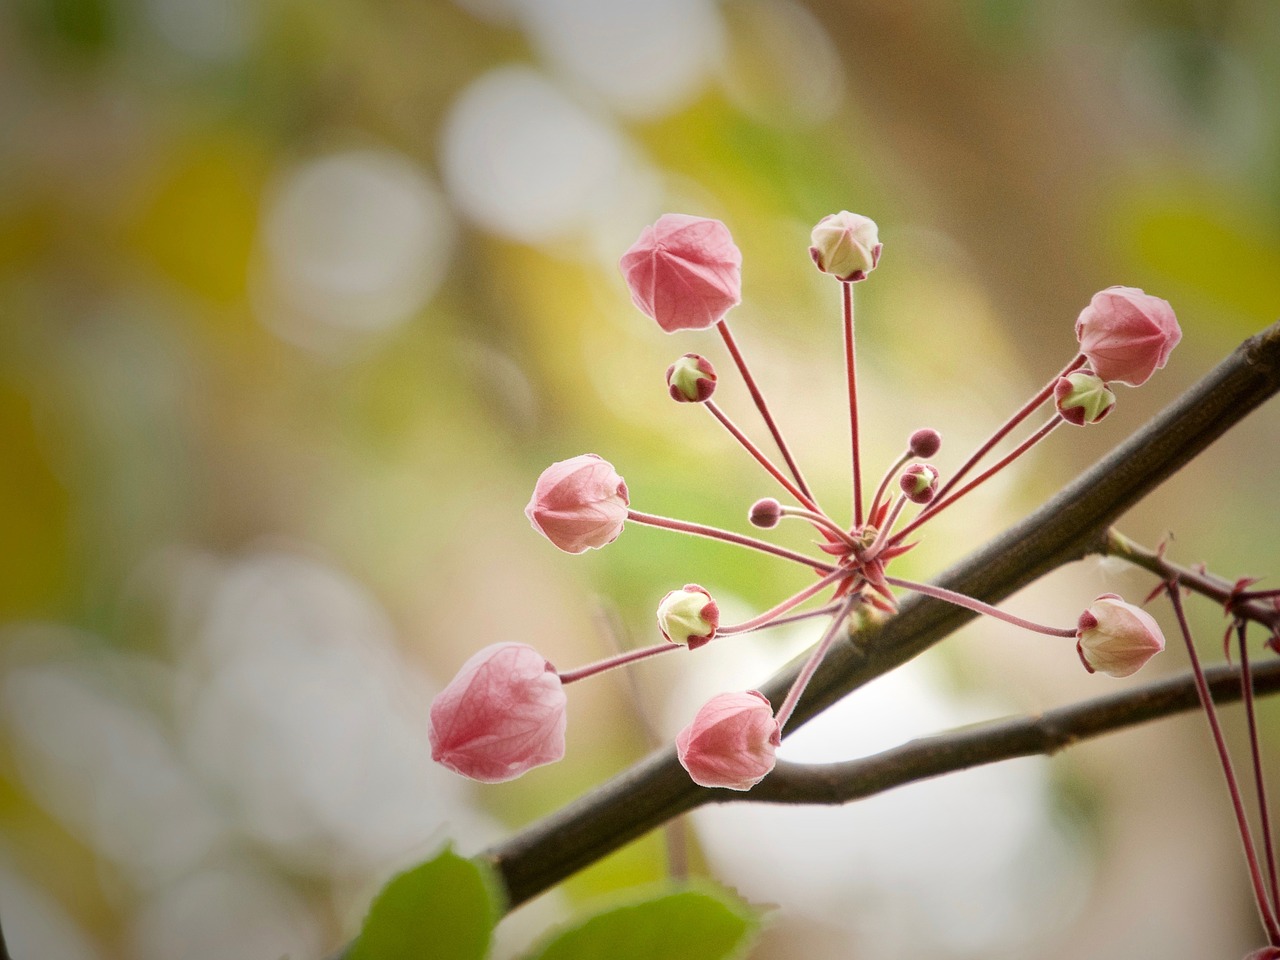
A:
(1046, 734)
(1066, 528)
(1116, 544)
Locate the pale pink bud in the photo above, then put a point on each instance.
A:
(688, 616)
(731, 741)
(1083, 397)
(684, 272)
(502, 715)
(846, 245)
(691, 379)
(579, 503)
(919, 482)
(1126, 334)
(1116, 638)
(925, 443)
(765, 513)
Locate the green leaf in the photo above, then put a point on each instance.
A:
(444, 909)
(695, 924)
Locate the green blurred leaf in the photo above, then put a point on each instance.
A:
(444, 909)
(701, 924)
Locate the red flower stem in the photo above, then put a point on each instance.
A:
(815, 658)
(1246, 595)
(764, 461)
(769, 616)
(807, 615)
(758, 397)
(969, 603)
(699, 530)
(1017, 418)
(1255, 752)
(621, 660)
(884, 483)
(819, 520)
(937, 505)
(890, 520)
(851, 376)
(1233, 788)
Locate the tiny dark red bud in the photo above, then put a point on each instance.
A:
(765, 513)
(925, 443)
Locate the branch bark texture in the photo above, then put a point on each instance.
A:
(1066, 528)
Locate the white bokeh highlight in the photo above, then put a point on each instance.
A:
(353, 243)
(641, 59)
(523, 160)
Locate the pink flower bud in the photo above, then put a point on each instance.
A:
(1126, 334)
(684, 272)
(731, 741)
(579, 503)
(688, 616)
(925, 443)
(765, 513)
(691, 379)
(1116, 638)
(1083, 397)
(502, 715)
(846, 245)
(919, 482)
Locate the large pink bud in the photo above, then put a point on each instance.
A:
(684, 272)
(578, 504)
(1116, 638)
(1126, 334)
(502, 715)
(846, 245)
(731, 741)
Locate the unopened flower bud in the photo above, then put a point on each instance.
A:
(1116, 638)
(684, 272)
(1126, 334)
(731, 742)
(919, 482)
(1083, 397)
(688, 616)
(765, 513)
(925, 443)
(691, 379)
(578, 504)
(503, 714)
(846, 245)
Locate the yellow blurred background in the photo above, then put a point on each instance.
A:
(298, 298)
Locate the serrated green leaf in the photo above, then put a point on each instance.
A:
(444, 909)
(698, 924)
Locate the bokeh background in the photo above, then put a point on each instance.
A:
(297, 299)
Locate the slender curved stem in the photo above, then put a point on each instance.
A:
(745, 441)
(822, 521)
(768, 618)
(815, 659)
(728, 536)
(621, 660)
(884, 482)
(1028, 408)
(1255, 754)
(851, 377)
(977, 606)
(732, 346)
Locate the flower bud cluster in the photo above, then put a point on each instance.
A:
(504, 713)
